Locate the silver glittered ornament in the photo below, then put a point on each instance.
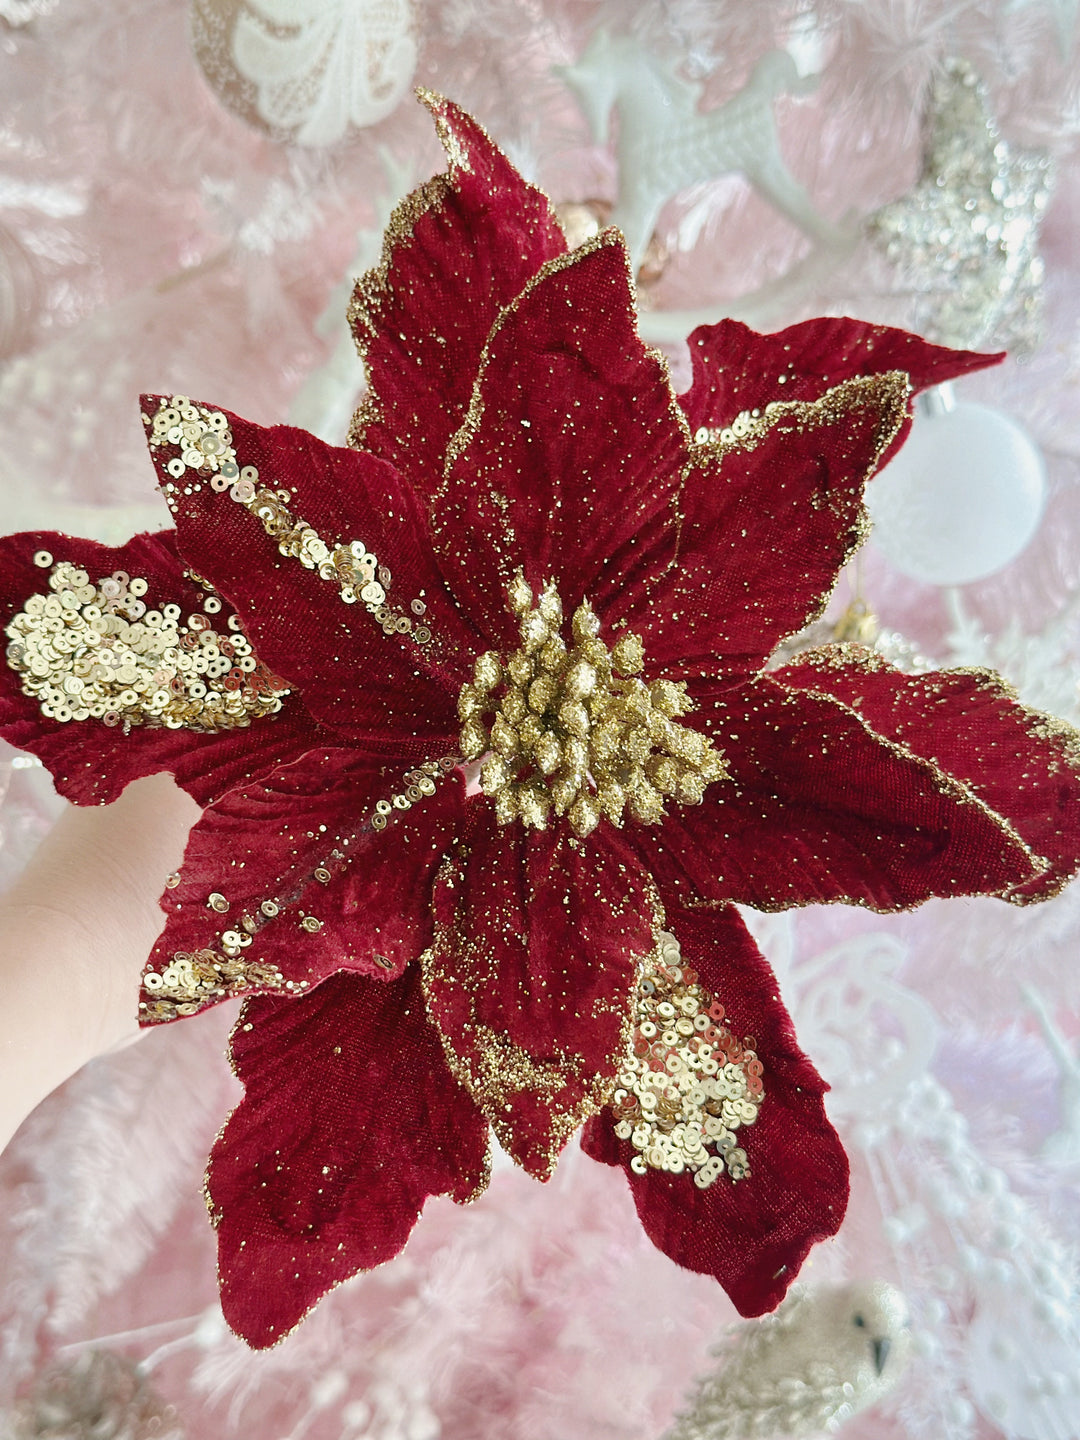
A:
(965, 237)
(825, 1354)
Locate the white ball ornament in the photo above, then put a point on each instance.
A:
(963, 497)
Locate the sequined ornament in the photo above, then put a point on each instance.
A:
(966, 236)
(535, 565)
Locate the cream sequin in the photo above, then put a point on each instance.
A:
(688, 1084)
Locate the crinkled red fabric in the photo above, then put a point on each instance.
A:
(303, 839)
(573, 446)
(538, 939)
(1024, 765)
(91, 763)
(458, 250)
(735, 369)
(752, 1234)
(820, 808)
(383, 693)
(763, 531)
(350, 1120)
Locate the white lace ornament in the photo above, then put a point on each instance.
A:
(306, 71)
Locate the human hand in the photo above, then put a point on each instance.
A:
(75, 930)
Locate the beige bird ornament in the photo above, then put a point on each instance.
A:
(827, 1353)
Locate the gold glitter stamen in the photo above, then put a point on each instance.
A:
(572, 729)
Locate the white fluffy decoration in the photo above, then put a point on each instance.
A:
(826, 1354)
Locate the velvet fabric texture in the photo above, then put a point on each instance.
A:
(426, 972)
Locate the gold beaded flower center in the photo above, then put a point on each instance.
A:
(574, 729)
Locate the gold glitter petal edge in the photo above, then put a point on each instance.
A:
(890, 389)
(607, 239)
(216, 1215)
(372, 287)
(502, 1062)
(370, 290)
(1038, 723)
(946, 784)
(449, 141)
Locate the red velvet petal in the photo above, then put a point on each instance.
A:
(91, 762)
(1023, 764)
(457, 250)
(753, 1234)
(765, 528)
(349, 1122)
(390, 695)
(573, 443)
(303, 841)
(530, 980)
(735, 369)
(822, 809)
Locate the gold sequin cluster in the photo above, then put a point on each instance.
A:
(95, 650)
(419, 784)
(572, 729)
(730, 437)
(189, 982)
(206, 449)
(688, 1083)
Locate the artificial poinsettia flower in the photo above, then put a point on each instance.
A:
(538, 570)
